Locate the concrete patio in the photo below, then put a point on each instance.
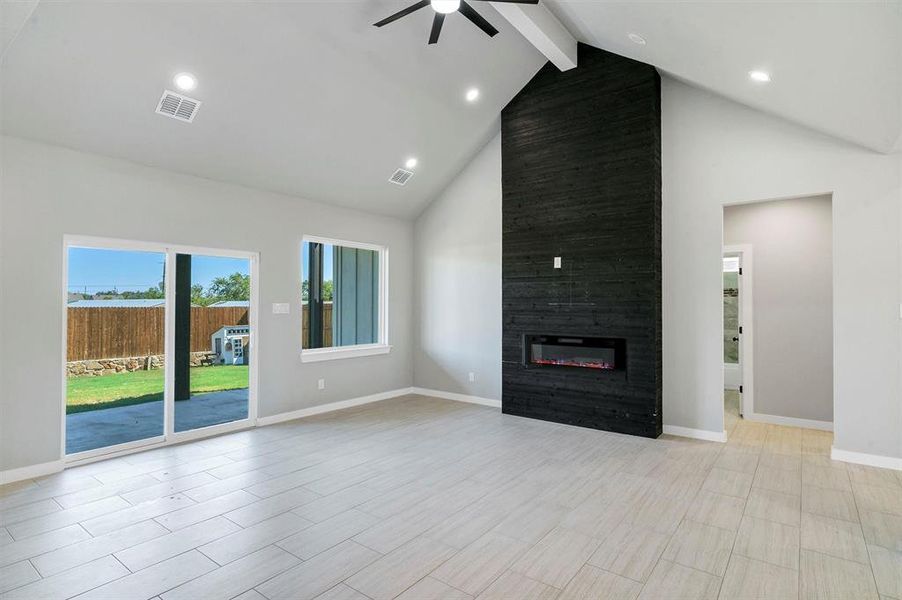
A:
(111, 426)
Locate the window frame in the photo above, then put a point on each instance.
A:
(382, 346)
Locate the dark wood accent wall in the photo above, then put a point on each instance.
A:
(581, 156)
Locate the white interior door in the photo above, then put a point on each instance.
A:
(732, 321)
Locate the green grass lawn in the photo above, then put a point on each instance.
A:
(125, 389)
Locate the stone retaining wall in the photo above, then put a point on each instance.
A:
(110, 366)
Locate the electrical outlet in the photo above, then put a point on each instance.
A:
(321, 384)
(557, 262)
(280, 308)
(472, 376)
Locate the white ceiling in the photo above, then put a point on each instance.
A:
(305, 98)
(836, 66)
(13, 15)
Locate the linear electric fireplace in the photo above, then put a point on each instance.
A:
(600, 353)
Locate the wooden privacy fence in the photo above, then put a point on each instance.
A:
(327, 322)
(105, 332)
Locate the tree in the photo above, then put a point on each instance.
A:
(327, 291)
(153, 293)
(234, 287)
(198, 297)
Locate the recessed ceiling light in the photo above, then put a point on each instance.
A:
(472, 95)
(411, 163)
(759, 76)
(445, 6)
(185, 81)
(636, 39)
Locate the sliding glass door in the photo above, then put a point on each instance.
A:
(159, 344)
(115, 336)
(213, 347)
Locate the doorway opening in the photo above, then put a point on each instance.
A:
(778, 312)
(159, 345)
(737, 331)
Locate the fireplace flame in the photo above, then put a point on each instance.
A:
(569, 362)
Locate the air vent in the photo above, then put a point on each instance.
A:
(400, 177)
(177, 106)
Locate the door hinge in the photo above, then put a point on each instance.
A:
(740, 389)
(740, 270)
(740, 329)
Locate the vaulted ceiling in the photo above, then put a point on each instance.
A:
(836, 66)
(307, 98)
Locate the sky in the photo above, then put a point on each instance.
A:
(99, 270)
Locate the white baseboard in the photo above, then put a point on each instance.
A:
(698, 434)
(871, 460)
(790, 421)
(332, 406)
(30, 472)
(456, 397)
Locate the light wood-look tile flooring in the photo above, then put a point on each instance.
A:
(418, 498)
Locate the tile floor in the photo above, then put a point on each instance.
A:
(418, 498)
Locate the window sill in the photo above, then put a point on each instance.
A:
(321, 354)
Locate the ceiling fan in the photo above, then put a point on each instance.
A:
(446, 7)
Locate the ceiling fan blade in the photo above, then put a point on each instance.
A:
(436, 27)
(477, 19)
(403, 13)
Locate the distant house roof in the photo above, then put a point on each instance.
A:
(117, 303)
(232, 304)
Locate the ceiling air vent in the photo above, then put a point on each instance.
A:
(177, 106)
(400, 177)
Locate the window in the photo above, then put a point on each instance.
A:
(343, 292)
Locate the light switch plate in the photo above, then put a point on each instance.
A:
(280, 308)
(321, 384)
(557, 262)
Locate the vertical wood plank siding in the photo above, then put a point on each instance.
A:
(581, 156)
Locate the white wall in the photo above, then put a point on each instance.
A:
(48, 191)
(457, 251)
(716, 152)
(792, 301)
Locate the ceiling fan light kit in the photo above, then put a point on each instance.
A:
(447, 7)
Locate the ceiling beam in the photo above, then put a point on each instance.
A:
(538, 25)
